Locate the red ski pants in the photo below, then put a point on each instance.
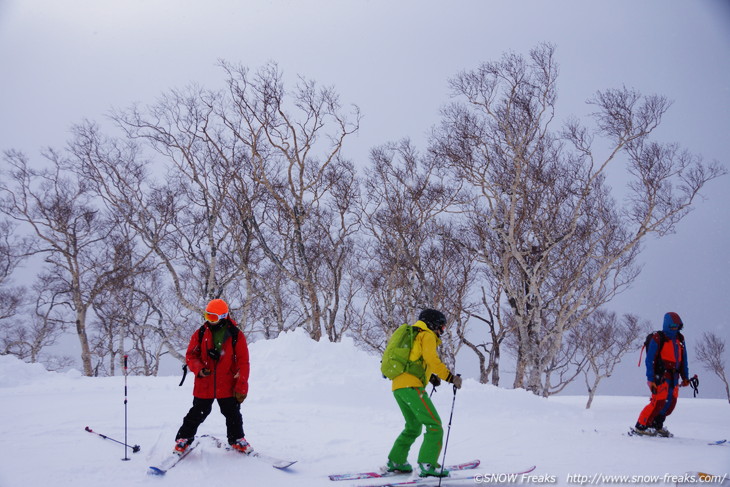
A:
(661, 404)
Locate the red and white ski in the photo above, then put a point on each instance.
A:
(511, 478)
(383, 473)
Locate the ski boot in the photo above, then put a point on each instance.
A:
(642, 430)
(242, 446)
(432, 470)
(398, 467)
(658, 426)
(182, 444)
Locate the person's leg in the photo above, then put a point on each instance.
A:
(656, 404)
(196, 415)
(231, 409)
(407, 399)
(433, 438)
(666, 410)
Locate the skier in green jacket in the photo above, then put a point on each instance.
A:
(418, 410)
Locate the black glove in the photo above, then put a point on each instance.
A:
(695, 383)
(204, 373)
(435, 380)
(454, 379)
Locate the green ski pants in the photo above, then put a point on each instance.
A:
(417, 410)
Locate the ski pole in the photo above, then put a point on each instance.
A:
(448, 432)
(435, 382)
(134, 448)
(125, 408)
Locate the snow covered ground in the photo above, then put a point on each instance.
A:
(327, 406)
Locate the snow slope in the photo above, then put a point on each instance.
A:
(327, 406)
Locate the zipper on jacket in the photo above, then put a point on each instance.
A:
(206, 340)
(215, 369)
(215, 379)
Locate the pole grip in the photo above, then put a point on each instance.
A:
(458, 375)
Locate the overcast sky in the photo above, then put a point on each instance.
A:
(62, 61)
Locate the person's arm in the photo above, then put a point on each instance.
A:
(434, 363)
(651, 355)
(193, 356)
(243, 367)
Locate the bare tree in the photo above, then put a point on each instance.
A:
(293, 144)
(180, 207)
(544, 221)
(196, 239)
(601, 341)
(70, 231)
(40, 327)
(13, 251)
(128, 325)
(493, 320)
(256, 200)
(129, 318)
(710, 352)
(410, 259)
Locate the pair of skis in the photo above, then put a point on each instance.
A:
(383, 473)
(635, 432)
(427, 481)
(170, 462)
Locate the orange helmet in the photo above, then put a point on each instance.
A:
(216, 311)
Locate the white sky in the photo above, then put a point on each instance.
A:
(65, 60)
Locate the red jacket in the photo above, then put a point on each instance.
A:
(229, 373)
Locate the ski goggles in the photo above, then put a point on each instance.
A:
(214, 317)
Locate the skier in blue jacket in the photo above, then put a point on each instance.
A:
(666, 364)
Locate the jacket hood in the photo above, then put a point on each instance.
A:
(420, 324)
(423, 326)
(672, 324)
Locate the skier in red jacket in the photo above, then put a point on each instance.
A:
(218, 356)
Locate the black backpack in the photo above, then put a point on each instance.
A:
(659, 337)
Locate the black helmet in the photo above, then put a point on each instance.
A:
(434, 319)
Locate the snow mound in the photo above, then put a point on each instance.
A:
(309, 369)
(15, 372)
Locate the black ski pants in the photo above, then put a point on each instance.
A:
(230, 408)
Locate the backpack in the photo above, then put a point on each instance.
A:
(396, 357)
(659, 337)
(235, 331)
